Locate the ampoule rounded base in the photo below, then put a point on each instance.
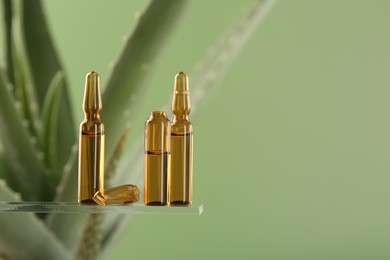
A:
(180, 203)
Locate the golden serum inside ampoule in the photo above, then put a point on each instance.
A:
(180, 178)
(91, 151)
(157, 152)
(121, 195)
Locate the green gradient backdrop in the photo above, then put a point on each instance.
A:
(291, 153)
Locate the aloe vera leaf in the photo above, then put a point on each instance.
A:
(205, 80)
(24, 236)
(135, 65)
(202, 84)
(3, 170)
(22, 160)
(134, 163)
(40, 48)
(129, 171)
(44, 64)
(68, 228)
(48, 139)
(24, 83)
(7, 16)
(90, 243)
(111, 167)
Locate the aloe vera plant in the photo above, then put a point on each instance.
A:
(34, 95)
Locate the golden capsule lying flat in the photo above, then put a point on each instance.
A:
(121, 195)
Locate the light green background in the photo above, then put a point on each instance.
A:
(291, 154)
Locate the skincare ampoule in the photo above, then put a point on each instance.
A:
(91, 149)
(180, 178)
(121, 195)
(157, 153)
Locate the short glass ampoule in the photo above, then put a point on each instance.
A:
(91, 143)
(181, 165)
(156, 162)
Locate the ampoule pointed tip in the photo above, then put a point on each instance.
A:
(181, 74)
(92, 96)
(92, 74)
(181, 82)
(92, 80)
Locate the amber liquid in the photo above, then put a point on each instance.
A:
(156, 178)
(180, 179)
(91, 166)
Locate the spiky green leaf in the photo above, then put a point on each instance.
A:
(7, 16)
(39, 45)
(24, 236)
(22, 159)
(48, 139)
(24, 79)
(44, 64)
(68, 228)
(4, 173)
(136, 64)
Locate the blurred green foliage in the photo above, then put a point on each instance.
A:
(291, 156)
(38, 133)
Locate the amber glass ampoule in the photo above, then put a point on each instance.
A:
(121, 195)
(91, 150)
(157, 153)
(180, 178)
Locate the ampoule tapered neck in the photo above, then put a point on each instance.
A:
(181, 96)
(181, 117)
(92, 96)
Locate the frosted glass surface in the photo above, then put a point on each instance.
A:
(68, 207)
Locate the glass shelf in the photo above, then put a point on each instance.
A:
(68, 207)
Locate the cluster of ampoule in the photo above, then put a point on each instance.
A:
(168, 153)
